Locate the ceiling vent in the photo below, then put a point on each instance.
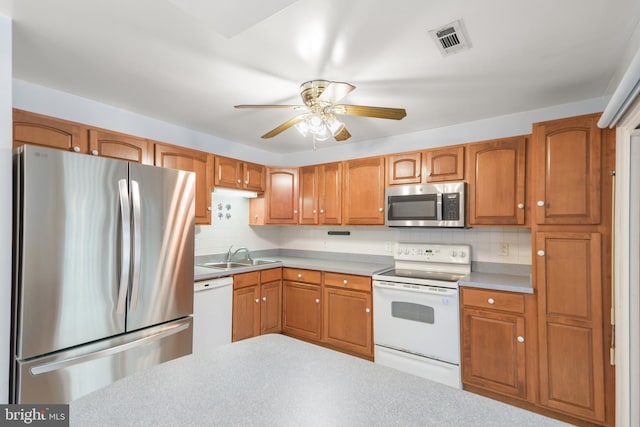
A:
(451, 38)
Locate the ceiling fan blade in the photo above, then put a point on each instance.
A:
(286, 125)
(335, 91)
(293, 107)
(377, 112)
(343, 135)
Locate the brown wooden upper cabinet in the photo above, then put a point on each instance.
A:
(363, 195)
(496, 177)
(232, 173)
(320, 194)
(567, 164)
(171, 156)
(281, 196)
(119, 146)
(36, 129)
(436, 165)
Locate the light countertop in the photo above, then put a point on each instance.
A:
(498, 282)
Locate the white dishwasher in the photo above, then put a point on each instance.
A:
(212, 307)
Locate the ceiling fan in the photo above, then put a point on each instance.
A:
(320, 110)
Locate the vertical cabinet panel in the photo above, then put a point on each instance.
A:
(270, 307)
(301, 309)
(281, 196)
(348, 321)
(570, 320)
(246, 313)
(309, 195)
(363, 197)
(497, 182)
(330, 197)
(568, 161)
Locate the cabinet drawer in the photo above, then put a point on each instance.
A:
(246, 279)
(300, 275)
(494, 300)
(348, 281)
(270, 275)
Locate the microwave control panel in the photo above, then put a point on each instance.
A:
(451, 206)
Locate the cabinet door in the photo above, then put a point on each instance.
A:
(404, 168)
(309, 195)
(169, 156)
(497, 182)
(330, 203)
(444, 164)
(119, 146)
(363, 197)
(348, 321)
(570, 323)
(36, 129)
(246, 313)
(228, 172)
(301, 310)
(253, 177)
(567, 165)
(493, 356)
(270, 307)
(281, 196)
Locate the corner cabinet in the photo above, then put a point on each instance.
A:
(363, 195)
(257, 297)
(171, 156)
(281, 196)
(496, 178)
(568, 171)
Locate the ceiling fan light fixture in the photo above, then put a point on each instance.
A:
(334, 125)
(303, 127)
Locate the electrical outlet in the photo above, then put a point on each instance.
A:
(503, 249)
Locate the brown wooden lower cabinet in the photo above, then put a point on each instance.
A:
(348, 320)
(301, 309)
(257, 299)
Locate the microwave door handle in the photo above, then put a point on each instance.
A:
(439, 206)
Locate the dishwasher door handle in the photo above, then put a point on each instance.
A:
(205, 285)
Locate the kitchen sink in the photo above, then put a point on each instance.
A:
(237, 264)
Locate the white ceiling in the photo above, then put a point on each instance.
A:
(188, 62)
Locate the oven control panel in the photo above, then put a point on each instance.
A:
(429, 252)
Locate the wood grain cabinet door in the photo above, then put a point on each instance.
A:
(330, 194)
(271, 307)
(228, 172)
(36, 129)
(348, 320)
(170, 156)
(301, 309)
(570, 323)
(493, 351)
(404, 168)
(308, 177)
(363, 195)
(281, 196)
(444, 164)
(497, 182)
(119, 146)
(567, 160)
(246, 313)
(253, 176)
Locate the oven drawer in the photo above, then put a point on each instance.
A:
(495, 300)
(301, 275)
(348, 281)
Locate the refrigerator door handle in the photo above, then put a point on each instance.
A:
(65, 363)
(137, 243)
(125, 245)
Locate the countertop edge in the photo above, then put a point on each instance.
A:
(498, 282)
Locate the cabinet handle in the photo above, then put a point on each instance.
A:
(94, 152)
(209, 208)
(540, 252)
(321, 210)
(345, 281)
(428, 173)
(317, 300)
(314, 211)
(238, 181)
(540, 203)
(367, 310)
(491, 301)
(264, 299)
(520, 339)
(299, 275)
(418, 175)
(520, 205)
(380, 209)
(246, 182)
(257, 300)
(257, 217)
(295, 211)
(76, 149)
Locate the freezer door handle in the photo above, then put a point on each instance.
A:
(65, 363)
(125, 245)
(137, 243)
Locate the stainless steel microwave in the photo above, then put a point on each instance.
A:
(426, 205)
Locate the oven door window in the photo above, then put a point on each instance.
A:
(411, 311)
(414, 207)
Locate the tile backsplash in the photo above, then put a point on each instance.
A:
(230, 218)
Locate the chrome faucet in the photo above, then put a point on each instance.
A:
(230, 255)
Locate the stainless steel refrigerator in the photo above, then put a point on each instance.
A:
(103, 256)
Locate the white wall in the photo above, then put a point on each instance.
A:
(5, 202)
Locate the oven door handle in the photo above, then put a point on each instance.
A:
(416, 289)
